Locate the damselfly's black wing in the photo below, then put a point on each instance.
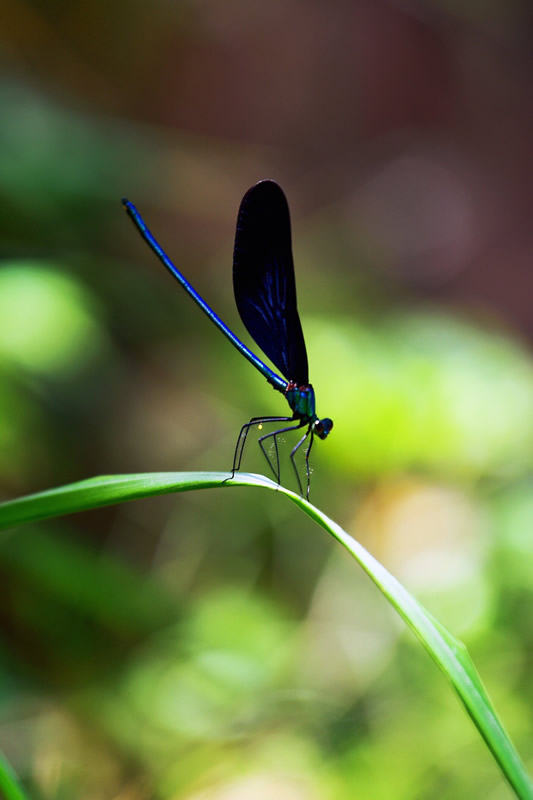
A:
(263, 279)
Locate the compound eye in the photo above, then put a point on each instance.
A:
(323, 427)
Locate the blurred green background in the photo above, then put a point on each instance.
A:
(216, 645)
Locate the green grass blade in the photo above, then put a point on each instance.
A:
(10, 788)
(448, 652)
(106, 490)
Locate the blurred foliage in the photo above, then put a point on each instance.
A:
(45, 324)
(183, 647)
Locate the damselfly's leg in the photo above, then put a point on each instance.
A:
(307, 468)
(273, 436)
(293, 462)
(241, 441)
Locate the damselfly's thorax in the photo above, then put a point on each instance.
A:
(301, 399)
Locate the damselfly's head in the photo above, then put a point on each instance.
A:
(322, 427)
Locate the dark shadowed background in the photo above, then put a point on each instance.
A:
(216, 645)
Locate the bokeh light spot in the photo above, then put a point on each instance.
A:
(46, 321)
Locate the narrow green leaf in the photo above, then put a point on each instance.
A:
(106, 490)
(10, 788)
(448, 652)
